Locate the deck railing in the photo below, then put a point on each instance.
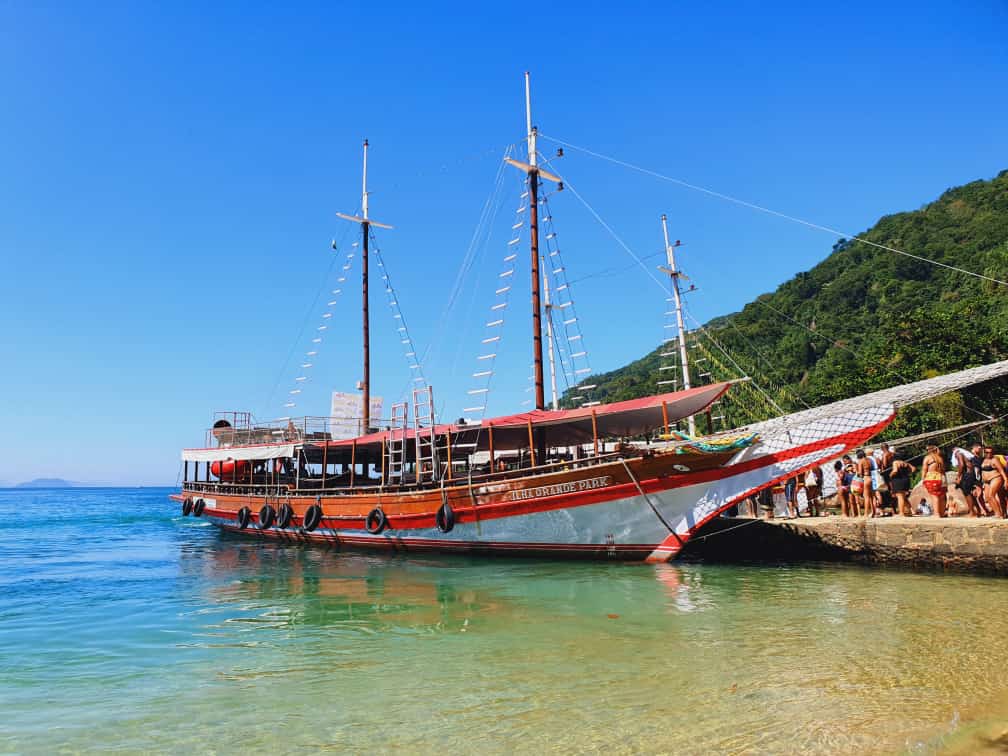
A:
(313, 486)
(242, 432)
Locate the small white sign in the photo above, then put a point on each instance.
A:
(345, 415)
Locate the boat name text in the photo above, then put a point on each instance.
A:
(573, 486)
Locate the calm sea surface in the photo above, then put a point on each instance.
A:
(124, 626)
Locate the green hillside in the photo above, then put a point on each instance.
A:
(866, 318)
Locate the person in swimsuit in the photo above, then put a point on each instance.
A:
(766, 502)
(864, 471)
(813, 487)
(842, 488)
(934, 479)
(854, 483)
(791, 496)
(966, 480)
(976, 461)
(885, 457)
(899, 481)
(995, 482)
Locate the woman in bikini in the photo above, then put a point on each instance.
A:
(852, 480)
(995, 482)
(934, 479)
(864, 471)
(842, 488)
(899, 480)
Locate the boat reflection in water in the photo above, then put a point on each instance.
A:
(314, 648)
(295, 584)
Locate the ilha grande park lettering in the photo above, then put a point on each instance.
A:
(557, 489)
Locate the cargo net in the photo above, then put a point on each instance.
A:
(896, 397)
(839, 426)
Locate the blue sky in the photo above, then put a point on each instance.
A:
(171, 176)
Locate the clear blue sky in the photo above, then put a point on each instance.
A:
(171, 176)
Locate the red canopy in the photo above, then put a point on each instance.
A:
(568, 427)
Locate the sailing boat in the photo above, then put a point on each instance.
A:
(576, 490)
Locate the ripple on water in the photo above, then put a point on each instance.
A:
(149, 631)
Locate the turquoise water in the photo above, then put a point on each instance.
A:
(124, 626)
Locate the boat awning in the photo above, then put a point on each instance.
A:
(553, 428)
(565, 427)
(258, 451)
(626, 419)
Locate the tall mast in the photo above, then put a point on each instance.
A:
(534, 173)
(366, 380)
(549, 335)
(674, 274)
(365, 223)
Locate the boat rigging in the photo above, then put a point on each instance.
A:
(606, 481)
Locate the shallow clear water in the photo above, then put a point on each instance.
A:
(126, 626)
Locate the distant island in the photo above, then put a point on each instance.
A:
(54, 483)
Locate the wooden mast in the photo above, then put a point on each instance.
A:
(534, 173)
(366, 380)
(365, 223)
(674, 274)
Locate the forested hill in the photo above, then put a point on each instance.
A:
(866, 318)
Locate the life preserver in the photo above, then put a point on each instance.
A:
(186, 507)
(244, 517)
(312, 517)
(198, 506)
(375, 522)
(266, 516)
(284, 517)
(444, 518)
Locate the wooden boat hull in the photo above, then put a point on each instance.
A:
(640, 508)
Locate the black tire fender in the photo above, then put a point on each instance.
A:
(284, 517)
(244, 517)
(266, 517)
(312, 517)
(444, 518)
(198, 506)
(375, 522)
(187, 507)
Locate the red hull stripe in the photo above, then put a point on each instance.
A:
(599, 496)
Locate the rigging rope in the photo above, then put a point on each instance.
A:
(312, 352)
(502, 296)
(562, 301)
(478, 242)
(413, 362)
(304, 321)
(759, 354)
(613, 234)
(714, 341)
(760, 208)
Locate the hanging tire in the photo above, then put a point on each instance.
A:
(444, 518)
(284, 516)
(266, 517)
(187, 507)
(312, 517)
(197, 508)
(244, 517)
(375, 522)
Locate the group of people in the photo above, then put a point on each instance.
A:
(870, 484)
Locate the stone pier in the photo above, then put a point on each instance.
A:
(955, 543)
